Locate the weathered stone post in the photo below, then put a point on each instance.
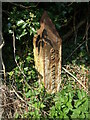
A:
(47, 54)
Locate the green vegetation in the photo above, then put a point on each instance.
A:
(28, 99)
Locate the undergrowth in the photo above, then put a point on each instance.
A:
(23, 96)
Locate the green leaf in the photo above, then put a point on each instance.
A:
(58, 105)
(28, 94)
(26, 68)
(66, 110)
(17, 57)
(16, 115)
(31, 32)
(82, 115)
(83, 93)
(11, 73)
(28, 58)
(69, 105)
(75, 114)
(24, 25)
(85, 106)
(66, 117)
(23, 33)
(21, 22)
(42, 105)
(79, 94)
(10, 31)
(35, 105)
(77, 103)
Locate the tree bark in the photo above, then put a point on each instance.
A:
(1, 109)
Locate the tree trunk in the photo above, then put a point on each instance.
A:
(1, 109)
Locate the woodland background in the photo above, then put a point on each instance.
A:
(22, 96)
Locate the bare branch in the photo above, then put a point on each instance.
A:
(71, 31)
(87, 29)
(6, 12)
(76, 49)
(75, 78)
(1, 46)
(9, 104)
(24, 7)
(27, 102)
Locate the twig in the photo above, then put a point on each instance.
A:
(87, 28)
(6, 12)
(76, 49)
(70, 3)
(8, 104)
(24, 7)
(75, 78)
(74, 28)
(87, 38)
(1, 46)
(71, 31)
(66, 24)
(18, 95)
(27, 102)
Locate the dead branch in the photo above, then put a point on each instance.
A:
(1, 46)
(20, 98)
(9, 104)
(27, 102)
(75, 78)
